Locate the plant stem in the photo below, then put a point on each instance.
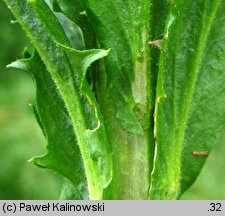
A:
(131, 165)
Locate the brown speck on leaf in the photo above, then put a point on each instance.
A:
(200, 153)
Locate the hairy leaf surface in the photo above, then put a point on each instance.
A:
(139, 114)
(63, 154)
(189, 110)
(48, 37)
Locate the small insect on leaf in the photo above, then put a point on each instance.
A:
(200, 153)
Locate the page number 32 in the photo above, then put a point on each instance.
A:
(215, 207)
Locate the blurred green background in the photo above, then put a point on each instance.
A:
(21, 138)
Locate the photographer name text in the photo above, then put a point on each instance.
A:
(52, 207)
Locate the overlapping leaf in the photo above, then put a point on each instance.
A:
(48, 37)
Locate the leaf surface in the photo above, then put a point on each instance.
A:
(63, 154)
(189, 110)
(48, 38)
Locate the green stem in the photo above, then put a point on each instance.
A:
(131, 165)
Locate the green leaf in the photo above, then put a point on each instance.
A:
(139, 114)
(81, 61)
(159, 11)
(63, 154)
(68, 192)
(46, 34)
(72, 8)
(75, 11)
(72, 30)
(189, 110)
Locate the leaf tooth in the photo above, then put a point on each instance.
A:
(39, 161)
